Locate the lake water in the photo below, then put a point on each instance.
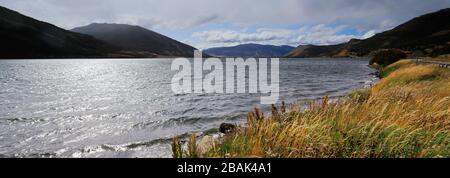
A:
(126, 108)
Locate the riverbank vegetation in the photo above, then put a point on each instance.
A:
(405, 115)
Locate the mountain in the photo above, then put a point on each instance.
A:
(339, 50)
(250, 50)
(304, 51)
(136, 38)
(24, 37)
(429, 34)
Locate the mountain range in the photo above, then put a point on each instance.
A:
(250, 50)
(428, 34)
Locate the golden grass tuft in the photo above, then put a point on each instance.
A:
(405, 115)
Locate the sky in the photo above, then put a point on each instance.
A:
(213, 23)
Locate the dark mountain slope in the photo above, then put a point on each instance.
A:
(429, 33)
(24, 37)
(426, 32)
(136, 38)
(314, 51)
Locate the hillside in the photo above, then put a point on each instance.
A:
(136, 38)
(24, 37)
(305, 51)
(429, 34)
(250, 50)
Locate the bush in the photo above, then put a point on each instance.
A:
(445, 49)
(387, 57)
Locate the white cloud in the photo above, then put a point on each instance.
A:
(228, 36)
(317, 35)
(322, 35)
(369, 34)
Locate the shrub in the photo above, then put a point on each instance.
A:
(387, 57)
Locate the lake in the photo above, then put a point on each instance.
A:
(126, 108)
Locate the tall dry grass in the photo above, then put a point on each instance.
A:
(406, 114)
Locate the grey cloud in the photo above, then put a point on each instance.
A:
(204, 20)
(318, 35)
(174, 13)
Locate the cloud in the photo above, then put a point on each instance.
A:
(155, 14)
(323, 35)
(224, 36)
(204, 20)
(369, 34)
(177, 14)
(317, 35)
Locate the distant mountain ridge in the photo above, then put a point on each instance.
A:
(250, 50)
(136, 38)
(429, 34)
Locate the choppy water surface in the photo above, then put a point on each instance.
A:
(126, 108)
